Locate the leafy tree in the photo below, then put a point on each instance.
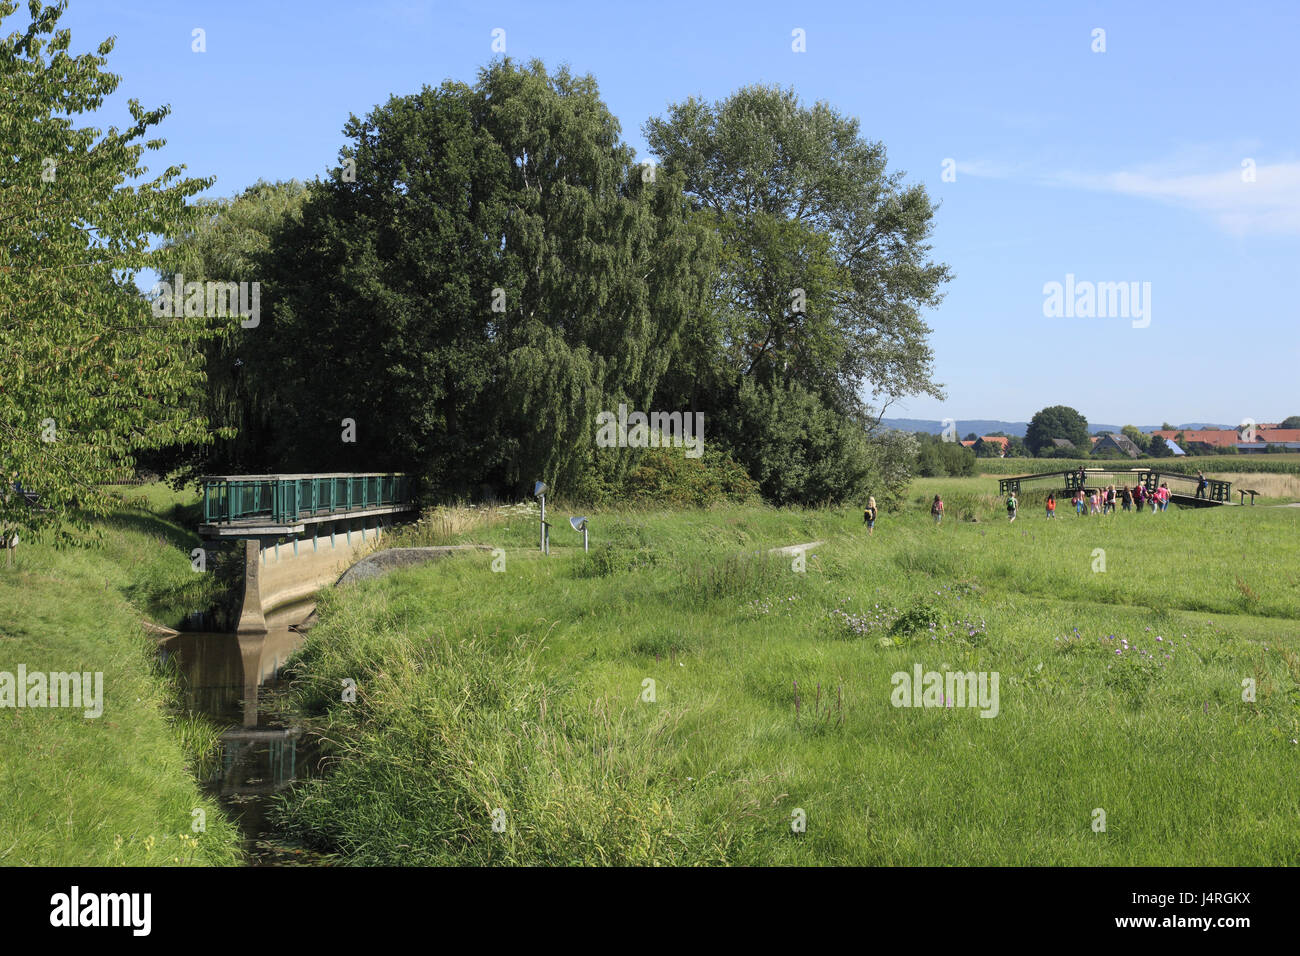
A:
(1057, 421)
(230, 241)
(823, 271)
(938, 458)
(1291, 421)
(93, 378)
(1139, 438)
(1158, 448)
(488, 270)
(798, 450)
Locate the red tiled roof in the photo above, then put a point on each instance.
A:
(1218, 437)
(1000, 439)
(1224, 437)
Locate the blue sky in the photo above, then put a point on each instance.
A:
(1115, 166)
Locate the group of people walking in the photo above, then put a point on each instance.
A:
(1100, 501)
(1103, 501)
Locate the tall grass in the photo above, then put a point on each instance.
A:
(120, 789)
(651, 714)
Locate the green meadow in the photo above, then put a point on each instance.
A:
(681, 696)
(118, 789)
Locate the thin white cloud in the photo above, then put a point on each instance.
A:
(1268, 205)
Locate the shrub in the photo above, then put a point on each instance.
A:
(920, 618)
(666, 476)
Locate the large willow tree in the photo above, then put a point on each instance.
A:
(487, 269)
(89, 377)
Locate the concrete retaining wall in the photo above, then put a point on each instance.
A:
(277, 574)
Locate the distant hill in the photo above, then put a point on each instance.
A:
(986, 426)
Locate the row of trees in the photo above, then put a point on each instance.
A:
(487, 269)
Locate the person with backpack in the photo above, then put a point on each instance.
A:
(1012, 505)
(1126, 500)
(936, 509)
(1051, 504)
(1201, 485)
(869, 515)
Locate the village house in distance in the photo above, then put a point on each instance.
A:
(1268, 438)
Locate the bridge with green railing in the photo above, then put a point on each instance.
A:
(244, 505)
(1184, 488)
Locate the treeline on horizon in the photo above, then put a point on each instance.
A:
(489, 267)
(1058, 432)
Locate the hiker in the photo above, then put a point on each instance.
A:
(1201, 485)
(936, 509)
(1012, 505)
(869, 515)
(1051, 504)
(1126, 500)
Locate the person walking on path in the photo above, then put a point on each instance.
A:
(936, 509)
(869, 515)
(1012, 505)
(1051, 504)
(1201, 485)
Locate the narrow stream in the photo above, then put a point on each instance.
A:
(236, 683)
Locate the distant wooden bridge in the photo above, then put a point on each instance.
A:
(1182, 487)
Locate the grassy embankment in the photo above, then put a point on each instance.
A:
(525, 691)
(118, 789)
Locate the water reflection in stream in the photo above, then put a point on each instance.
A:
(234, 680)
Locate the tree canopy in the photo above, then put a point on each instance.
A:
(93, 378)
(1057, 421)
(484, 273)
(822, 277)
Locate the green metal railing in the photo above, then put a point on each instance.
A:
(284, 499)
